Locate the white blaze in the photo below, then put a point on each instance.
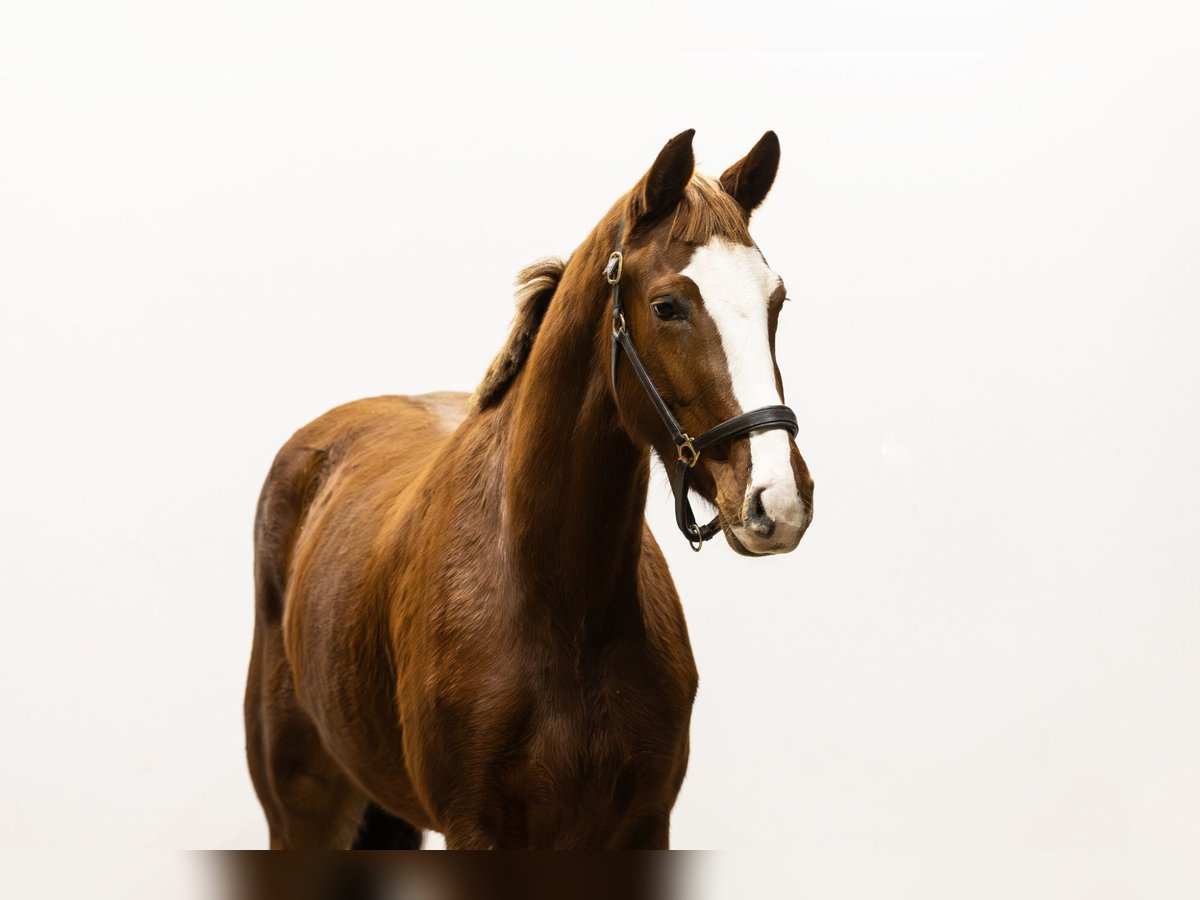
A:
(736, 285)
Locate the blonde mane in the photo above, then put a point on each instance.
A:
(536, 285)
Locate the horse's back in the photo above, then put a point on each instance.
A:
(385, 441)
(404, 428)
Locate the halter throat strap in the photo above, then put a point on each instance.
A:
(688, 448)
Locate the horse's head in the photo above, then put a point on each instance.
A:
(702, 305)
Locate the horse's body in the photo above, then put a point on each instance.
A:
(563, 737)
(463, 622)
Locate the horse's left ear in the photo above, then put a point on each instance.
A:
(749, 179)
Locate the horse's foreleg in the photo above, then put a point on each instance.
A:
(647, 833)
(458, 838)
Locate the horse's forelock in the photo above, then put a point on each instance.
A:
(707, 211)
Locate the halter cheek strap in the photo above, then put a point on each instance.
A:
(687, 447)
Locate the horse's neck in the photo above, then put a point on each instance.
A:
(576, 484)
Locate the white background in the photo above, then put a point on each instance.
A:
(978, 674)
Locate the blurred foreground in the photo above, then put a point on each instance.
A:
(448, 876)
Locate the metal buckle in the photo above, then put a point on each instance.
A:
(698, 544)
(616, 263)
(688, 453)
(618, 324)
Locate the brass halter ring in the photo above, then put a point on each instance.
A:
(616, 263)
(687, 453)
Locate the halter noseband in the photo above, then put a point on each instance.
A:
(688, 448)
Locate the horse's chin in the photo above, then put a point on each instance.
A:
(747, 546)
(733, 541)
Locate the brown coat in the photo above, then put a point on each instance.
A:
(463, 621)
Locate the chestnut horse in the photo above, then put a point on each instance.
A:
(463, 622)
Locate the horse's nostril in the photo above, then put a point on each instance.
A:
(756, 516)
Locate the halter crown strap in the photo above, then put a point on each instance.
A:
(688, 448)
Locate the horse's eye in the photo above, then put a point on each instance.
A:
(666, 310)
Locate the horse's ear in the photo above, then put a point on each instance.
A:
(661, 188)
(749, 179)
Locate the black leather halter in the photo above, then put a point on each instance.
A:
(689, 448)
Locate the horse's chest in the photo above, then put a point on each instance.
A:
(577, 735)
(557, 741)
(608, 750)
